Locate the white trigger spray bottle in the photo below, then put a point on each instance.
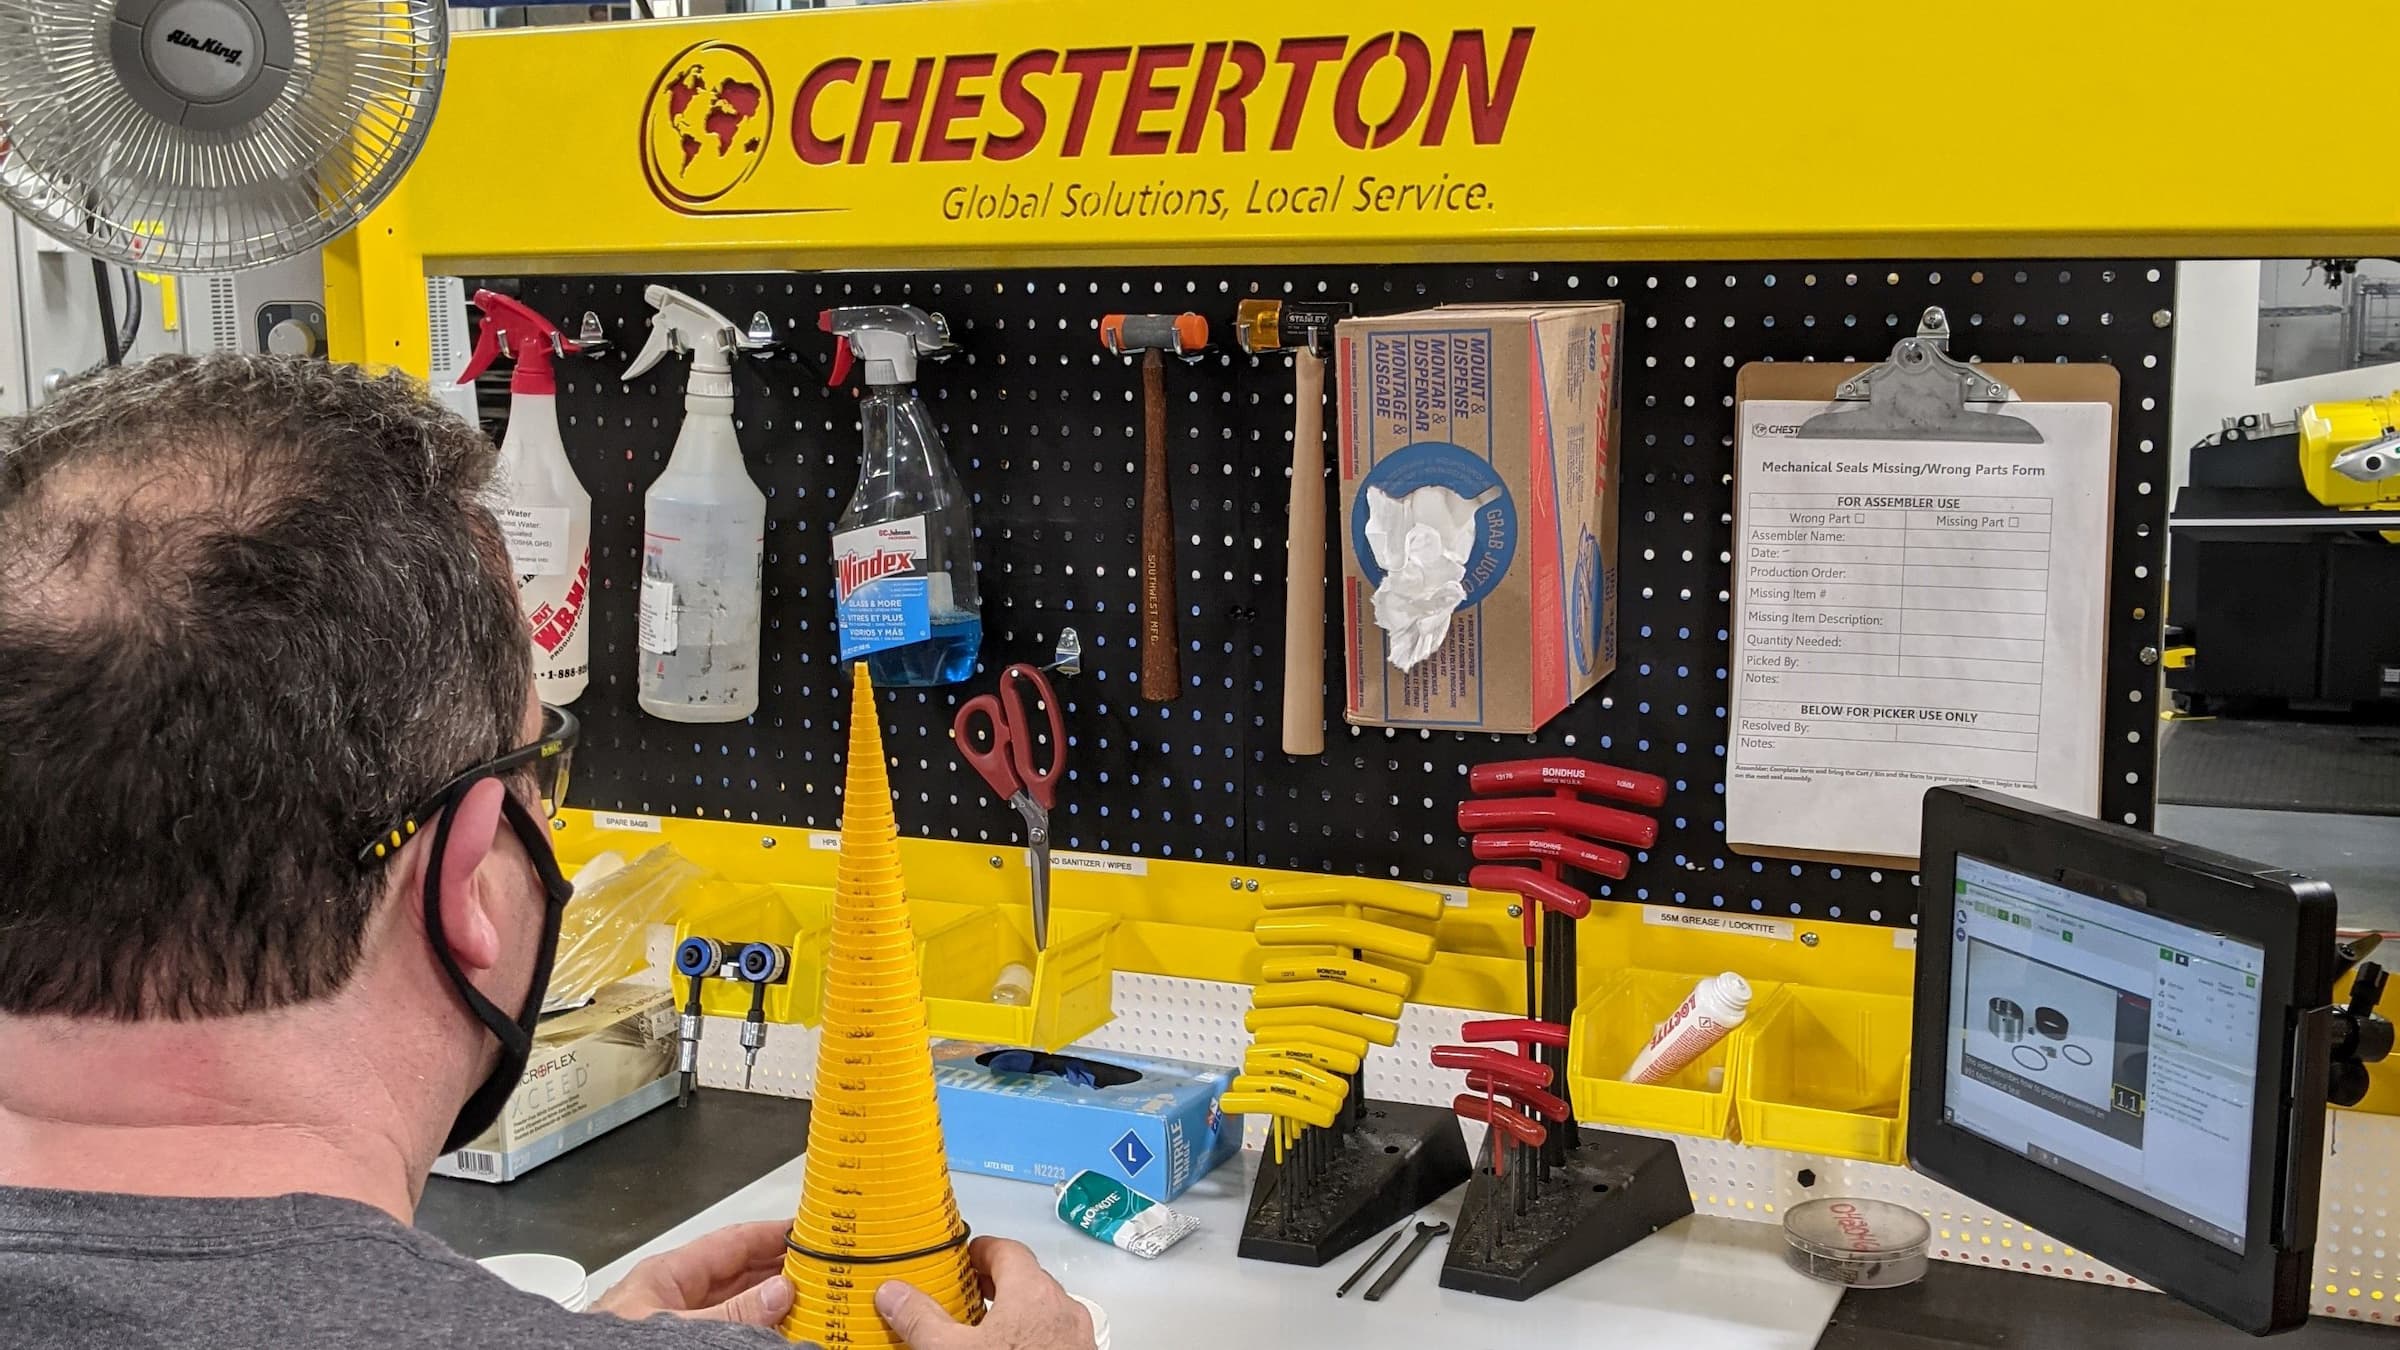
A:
(905, 599)
(704, 528)
(543, 510)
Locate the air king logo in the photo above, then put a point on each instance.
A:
(1121, 119)
(231, 56)
(706, 125)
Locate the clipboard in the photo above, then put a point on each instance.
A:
(1922, 397)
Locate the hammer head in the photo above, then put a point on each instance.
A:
(1275, 325)
(1182, 334)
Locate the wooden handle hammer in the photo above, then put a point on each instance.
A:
(1305, 330)
(1151, 335)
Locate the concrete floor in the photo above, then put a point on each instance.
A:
(2359, 855)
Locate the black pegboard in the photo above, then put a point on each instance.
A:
(1044, 428)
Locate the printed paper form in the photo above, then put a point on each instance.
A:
(1908, 614)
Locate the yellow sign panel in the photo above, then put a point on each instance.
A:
(1105, 136)
(1036, 130)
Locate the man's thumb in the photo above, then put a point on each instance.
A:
(761, 1305)
(914, 1317)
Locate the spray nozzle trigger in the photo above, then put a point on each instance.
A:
(683, 324)
(843, 359)
(887, 338)
(514, 329)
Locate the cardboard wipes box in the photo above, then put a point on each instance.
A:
(1152, 1124)
(593, 1069)
(1511, 409)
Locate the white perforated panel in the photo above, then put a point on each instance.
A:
(1202, 1021)
(221, 314)
(446, 324)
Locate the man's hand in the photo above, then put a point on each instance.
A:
(1028, 1309)
(732, 1275)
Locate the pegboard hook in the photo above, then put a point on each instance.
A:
(759, 334)
(1068, 658)
(591, 334)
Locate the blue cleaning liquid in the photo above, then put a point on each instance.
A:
(945, 658)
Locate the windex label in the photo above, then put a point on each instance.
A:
(880, 587)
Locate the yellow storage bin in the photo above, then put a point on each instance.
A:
(797, 917)
(1613, 1021)
(963, 948)
(1826, 1071)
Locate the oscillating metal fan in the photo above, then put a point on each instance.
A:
(211, 135)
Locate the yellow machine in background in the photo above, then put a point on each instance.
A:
(2350, 454)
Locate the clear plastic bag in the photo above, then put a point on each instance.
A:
(605, 935)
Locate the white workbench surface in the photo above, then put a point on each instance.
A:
(1708, 1284)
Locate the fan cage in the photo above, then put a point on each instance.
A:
(92, 167)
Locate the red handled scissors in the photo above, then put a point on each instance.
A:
(1008, 765)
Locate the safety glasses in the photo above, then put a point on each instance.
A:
(546, 759)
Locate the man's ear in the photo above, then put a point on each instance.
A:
(467, 926)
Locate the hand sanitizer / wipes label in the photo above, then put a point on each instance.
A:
(656, 629)
(537, 539)
(881, 596)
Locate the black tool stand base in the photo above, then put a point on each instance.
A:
(1399, 1160)
(1614, 1191)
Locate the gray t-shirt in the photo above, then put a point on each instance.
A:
(82, 1271)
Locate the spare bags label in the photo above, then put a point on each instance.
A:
(880, 587)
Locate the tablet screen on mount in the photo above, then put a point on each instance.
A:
(2114, 1047)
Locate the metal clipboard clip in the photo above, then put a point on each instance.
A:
(1921, 394)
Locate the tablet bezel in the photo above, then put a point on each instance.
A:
(2290, 918)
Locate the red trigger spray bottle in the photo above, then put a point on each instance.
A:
(543, 510)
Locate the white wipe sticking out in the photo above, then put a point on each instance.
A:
(1421, 541)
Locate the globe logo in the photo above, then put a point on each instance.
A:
(705, 127)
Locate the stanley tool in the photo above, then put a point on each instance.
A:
(1151, 335)
(1307, 332)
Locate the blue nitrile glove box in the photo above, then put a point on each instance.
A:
(1158, 1133)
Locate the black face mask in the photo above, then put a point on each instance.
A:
(515, 1034)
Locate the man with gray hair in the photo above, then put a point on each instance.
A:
(277, 900)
